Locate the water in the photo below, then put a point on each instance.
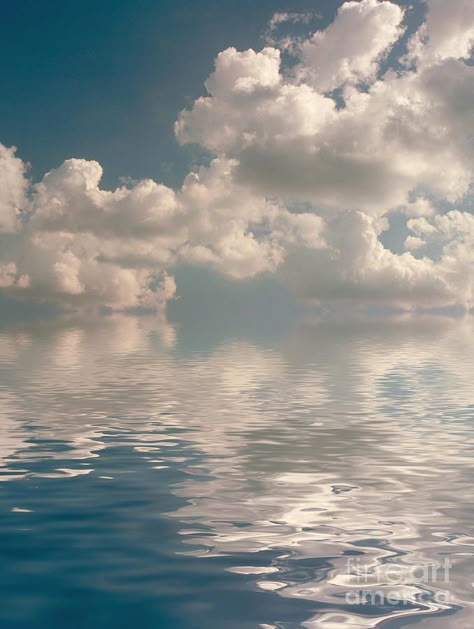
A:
(321, 478)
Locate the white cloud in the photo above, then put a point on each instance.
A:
(408, 131)
(448, 32)
(273, 34)
(419, 207)
(283, 17)
(399, 134)
(413, 242)
(83, 246)
(12, 188)
(357, 267)
(349, 50)
(389, 141)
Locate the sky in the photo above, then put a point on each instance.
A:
(106, 80)
(237, 151)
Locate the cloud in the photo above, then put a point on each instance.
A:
(357, 267)
(447, 33)
(12, 188)
(273, 35)
(309, 159)
(387, 141)
(81, 246)
(407, 131)
(349, 50)
(280, 18)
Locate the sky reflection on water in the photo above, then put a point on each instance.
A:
(242, 484)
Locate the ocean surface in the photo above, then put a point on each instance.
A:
(156, 477)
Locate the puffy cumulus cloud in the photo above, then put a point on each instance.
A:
(352, 140)
(448, 32)
(80, 245)
(437, 268)
(9, 276)
(452, 235)
(12, 189)
(408, 130)
(356, 266)
(236, 231)
(350, 49)
(250, 104)
(446, 227)
(223, 219)
(419, 207)
(309, 160)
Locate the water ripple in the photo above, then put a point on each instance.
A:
(321, 480)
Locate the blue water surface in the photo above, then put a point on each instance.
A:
(311, 478)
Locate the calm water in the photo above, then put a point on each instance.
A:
(324, 478)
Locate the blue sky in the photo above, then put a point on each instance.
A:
(328, 157)
(106, 80)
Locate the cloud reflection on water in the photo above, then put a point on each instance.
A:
(338, 439)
